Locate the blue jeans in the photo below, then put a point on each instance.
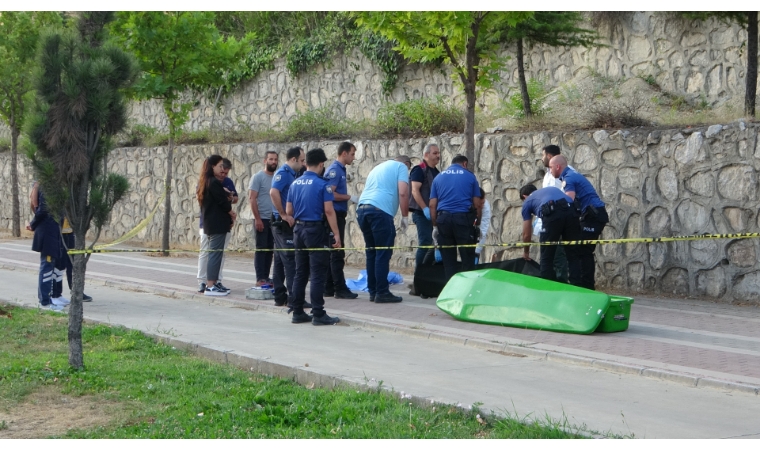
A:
(424, 235)
(378, 230)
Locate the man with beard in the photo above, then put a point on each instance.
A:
(261, 206)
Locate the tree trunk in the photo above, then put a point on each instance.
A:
(16, 227)
(751, 90)
(469, 123)
(521, 77)
(76, 310)
(168, 201)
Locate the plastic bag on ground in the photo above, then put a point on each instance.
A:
(360, 284)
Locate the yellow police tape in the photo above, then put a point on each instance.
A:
(129, 235)
(697, 237)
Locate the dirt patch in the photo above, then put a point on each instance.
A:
(47, 412)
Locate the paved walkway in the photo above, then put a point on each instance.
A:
(683, 369)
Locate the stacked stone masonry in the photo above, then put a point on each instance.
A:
(655, 182)
(701, 61)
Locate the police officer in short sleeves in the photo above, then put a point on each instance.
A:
(452, 211)
(310, 202)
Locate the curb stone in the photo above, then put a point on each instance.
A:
(553, 356)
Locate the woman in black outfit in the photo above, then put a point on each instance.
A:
(218, 217)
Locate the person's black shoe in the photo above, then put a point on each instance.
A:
(324, 320)
(346, 294)
(328, 293)
(282, 303)
(301, 318)
(202, 287)
(371, 298)
(86, 298)
(387, 298)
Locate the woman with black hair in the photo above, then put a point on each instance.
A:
(218, 217)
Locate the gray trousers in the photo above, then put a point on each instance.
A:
(216, 245)
(203, 258)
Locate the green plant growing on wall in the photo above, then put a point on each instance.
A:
(179, 53)
(19, 33)
(537, 91)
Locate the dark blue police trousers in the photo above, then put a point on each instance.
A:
(284, 264)
(456, 229)
(563, 225)
(311, 265)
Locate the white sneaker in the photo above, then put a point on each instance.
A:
(52, 307)
(60, 301)
(215, 291)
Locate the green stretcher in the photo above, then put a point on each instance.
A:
(497, 297)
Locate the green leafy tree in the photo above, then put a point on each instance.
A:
(19, 33)
(748, 21)
(556, 29)
(182, 55)
(467, 41)
(78, 108)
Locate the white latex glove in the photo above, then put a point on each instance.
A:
(435, 236)
(355, 198)
(404, 224)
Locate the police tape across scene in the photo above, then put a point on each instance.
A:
(697, 237)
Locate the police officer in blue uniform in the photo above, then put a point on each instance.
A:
(559, 222)
(453, 197)
(282, 228)
(336, 176)
(593, 214)
(310, 202)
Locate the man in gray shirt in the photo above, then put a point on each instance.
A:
(261, 205)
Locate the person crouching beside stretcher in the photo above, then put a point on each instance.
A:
(560, 222)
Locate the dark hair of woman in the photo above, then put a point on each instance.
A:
(207, 176)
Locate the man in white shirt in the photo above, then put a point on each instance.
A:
(560, 260)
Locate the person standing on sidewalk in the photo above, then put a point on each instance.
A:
(559, 222)
(261, 206)
(593, 215)
(386, 189)
(421, 178)
(47, 241)
(560, 260)
(453, 197)
(336, 177)
(485, 222)
(282, 228)
(229, 188)
(218, 217)
(310, 202)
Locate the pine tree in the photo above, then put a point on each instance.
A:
(78, 108)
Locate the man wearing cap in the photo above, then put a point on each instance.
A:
(336, 176)
(453, 197)
(310, 202)
(386, 189)
(593, 214)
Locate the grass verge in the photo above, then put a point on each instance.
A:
(165, 393)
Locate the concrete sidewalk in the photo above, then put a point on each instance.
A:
(434, 359)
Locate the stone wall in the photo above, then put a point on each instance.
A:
(655, 183)
(695, 59)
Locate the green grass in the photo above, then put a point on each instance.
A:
(166, 393)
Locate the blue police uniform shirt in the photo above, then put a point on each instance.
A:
(308, 195)
(454, 188)
(572, 181)
(534, 202)
(336, 176)
(230, 187)
(282, 181)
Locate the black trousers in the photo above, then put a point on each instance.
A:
(311, 265)
(336, 280)
(262, 260)
(592, 224)
(563, 225)
(456, 229)
(285, 265)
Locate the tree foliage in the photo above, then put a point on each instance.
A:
(79, 106)
(181, 54)
(553, 28)
(19, 33)
(467, 41)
